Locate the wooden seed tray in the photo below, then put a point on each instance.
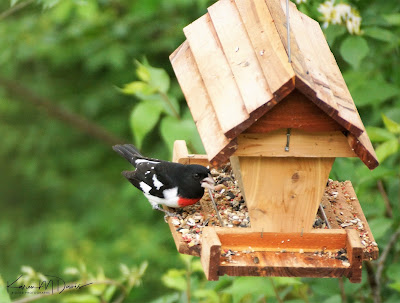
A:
(248, 252)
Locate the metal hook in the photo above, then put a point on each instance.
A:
(287, 139)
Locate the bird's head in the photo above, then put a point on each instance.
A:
(202, 175)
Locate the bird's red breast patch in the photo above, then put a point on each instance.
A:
(182, 202)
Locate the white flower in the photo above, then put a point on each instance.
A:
(340, 14)
(301, 1)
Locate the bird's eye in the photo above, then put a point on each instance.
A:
(196, 176)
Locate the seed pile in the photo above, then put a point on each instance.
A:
(231, 206)
(339, 203)
(234, 213)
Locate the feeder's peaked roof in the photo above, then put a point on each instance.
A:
(234, 67)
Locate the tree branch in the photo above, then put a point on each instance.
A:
(278, 298)
(371, 278)
(74, 120)
(40, 296)
(14, 9)
(381, 188)
(379, 269)
(342, 290)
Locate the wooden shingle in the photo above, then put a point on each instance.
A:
(234, 68)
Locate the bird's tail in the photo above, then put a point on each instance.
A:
(129, 152)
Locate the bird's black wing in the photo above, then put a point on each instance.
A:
(132, 154)
(150, 178)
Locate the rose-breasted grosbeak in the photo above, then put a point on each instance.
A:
(167, 183)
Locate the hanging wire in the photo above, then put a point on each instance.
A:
(288, 31)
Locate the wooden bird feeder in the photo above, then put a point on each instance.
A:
(281, 122)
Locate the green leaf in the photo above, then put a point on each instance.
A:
(380, 226)
(333, 31)
(98, 289)
(285, 281)
(374, 92)
(13, 2)
(171, 105)
(208, 295)
(83, 298)
(157, 78)
(142, 72)
(333, 299)
(387, 149)
(143, 119)
(393, 272)
(49, 3)
(395, 286)
(142, 268)
(186, 259)
(4, 297)
(380, 34)
(196, 266)
(393, 19)
(377, 134)
(391, 125)
(109, 293)
(250, 286)
(139, 89)
(173, 129)
(353, 50)
(175, 279)
(184, 129)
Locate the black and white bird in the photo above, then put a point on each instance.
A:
(167, 183)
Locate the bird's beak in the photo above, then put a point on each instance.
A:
(208, 182)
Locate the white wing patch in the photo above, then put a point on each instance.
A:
(157, 182)
(138, 161)
(171, 193)
(170, 198)
(145, 187)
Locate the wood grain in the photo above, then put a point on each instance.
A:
(315, 68)
(347, 207)
(295, 111)
(283, 194)
(301, 144)
(240, 55)
(355, 255)
(315, 240)
(192, 85)
(364, 149)
(267, 46)
(287, 264)
(210, 253)
(298, 63)
(347, 111)
(216, 74)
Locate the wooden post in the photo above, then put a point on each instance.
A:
(283, 175)
(283, 194)
(210, 253)
(354, 254)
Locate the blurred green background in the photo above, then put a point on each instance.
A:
(78, 76)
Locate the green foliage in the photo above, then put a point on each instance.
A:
(4, 297)
(353, 50)
(387, 137)
(63, 200)
(87, 286)
(156, 104)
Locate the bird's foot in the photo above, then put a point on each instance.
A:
(167, 213)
